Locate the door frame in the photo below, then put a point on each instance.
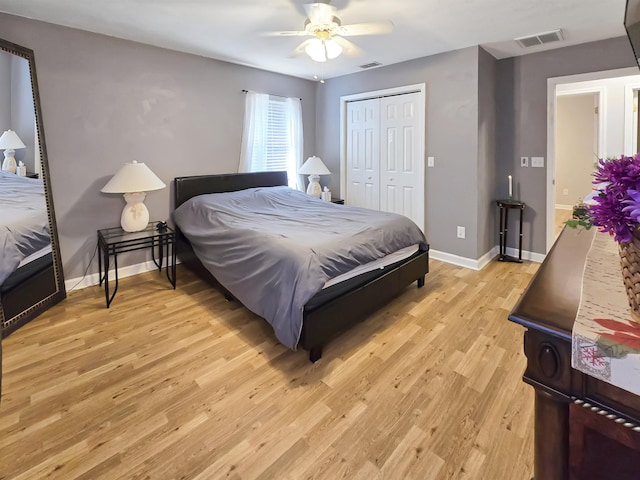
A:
(630, 119)
(552, 84)
(420, 88)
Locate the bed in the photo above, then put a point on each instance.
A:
(24, 224)
(328, 311)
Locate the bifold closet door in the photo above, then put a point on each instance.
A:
(363, 153)
(402, 157)
(385, 155)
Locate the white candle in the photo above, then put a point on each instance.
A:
(510, 187)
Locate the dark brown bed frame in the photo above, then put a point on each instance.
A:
(325, 319)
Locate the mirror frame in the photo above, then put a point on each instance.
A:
(39, 305)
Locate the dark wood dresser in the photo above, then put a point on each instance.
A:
(585, 428)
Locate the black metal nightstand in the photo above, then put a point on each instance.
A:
(112, 241)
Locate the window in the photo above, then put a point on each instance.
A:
(272, 136)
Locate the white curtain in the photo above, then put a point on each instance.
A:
(296, 143)
(254, 132)
(255, 137)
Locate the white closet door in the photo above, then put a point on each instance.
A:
(363, 154)
(402, 156)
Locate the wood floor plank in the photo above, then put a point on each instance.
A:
(183, 384)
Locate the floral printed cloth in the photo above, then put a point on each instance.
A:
(605, 343)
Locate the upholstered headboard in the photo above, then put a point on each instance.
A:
(188, 187)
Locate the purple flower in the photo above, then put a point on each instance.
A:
(633, 205)
(617, 207)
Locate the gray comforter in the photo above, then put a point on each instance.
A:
(274, 248)
(24, 225)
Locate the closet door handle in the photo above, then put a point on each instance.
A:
(391, 179)
(369, 178)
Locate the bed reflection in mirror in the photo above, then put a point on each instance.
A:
(30, 271)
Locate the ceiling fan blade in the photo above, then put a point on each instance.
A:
(372, 28)
(320, 13)
(348, 48)
(287, 33)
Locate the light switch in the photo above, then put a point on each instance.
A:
(431, 161)
(537, 161)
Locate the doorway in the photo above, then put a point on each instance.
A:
(613, 125)
(577, 150)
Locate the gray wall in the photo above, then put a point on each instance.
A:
(5, 94)
(107, 101)
(488, 184)
(16, 105)
(23, 119)
(522, 118)
(451, 137)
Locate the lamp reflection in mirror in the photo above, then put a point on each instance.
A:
(314, 167)
(10, 142)
(133, 180)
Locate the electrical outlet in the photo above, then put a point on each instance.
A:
(461, 232)
(524, 161)
(431, 161)
(565, 191)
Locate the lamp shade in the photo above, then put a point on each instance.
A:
(133, 177)
(10, 140)
(314, 166)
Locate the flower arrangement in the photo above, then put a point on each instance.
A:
(615, 205)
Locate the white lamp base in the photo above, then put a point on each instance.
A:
(314, 189)
(9, 164)
(135, 216)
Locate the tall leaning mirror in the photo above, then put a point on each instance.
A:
(31, 278)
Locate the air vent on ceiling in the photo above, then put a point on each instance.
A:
(371, 65)
(540, 38)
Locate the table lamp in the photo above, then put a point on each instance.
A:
(133, 180)
(314, 167)
(9, 141)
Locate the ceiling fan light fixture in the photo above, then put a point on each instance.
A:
(316, 50)
(322, 50)
(333, 49)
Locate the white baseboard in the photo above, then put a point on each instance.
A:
(130, 270)
(484, 260)
(563, 207)
(123, 272)
(455, 259)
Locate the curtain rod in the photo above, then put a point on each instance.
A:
(272, 95)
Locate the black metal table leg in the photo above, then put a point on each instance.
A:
(112, 241)
(505, 206)
(520, 243)
(502, 244)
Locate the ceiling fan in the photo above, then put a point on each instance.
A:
(328, 32)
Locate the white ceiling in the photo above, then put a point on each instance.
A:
(231, 29)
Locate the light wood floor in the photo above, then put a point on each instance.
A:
(182, 384)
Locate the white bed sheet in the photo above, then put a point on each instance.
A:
(376, 264)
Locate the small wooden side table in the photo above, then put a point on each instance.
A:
(112, 241)
(505, 206)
